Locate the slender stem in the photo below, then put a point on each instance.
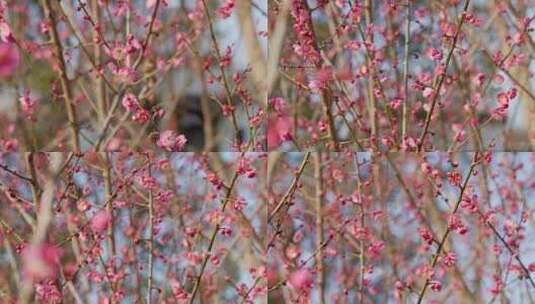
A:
(406, 74)
(213, 237)
(305, 261)
(34, 184)
(361, 242)
(109, 208)
(149, 34)
(14, 172)
(516, 81)
(436, 91)
(291, 189)
(208, 129)
(100, 88)
(223, 75)
(515, 255)
(11, 231)
(326, 94)
(445, 236)
(45, 217)
(371, 95)
(319, 225)
(151, 239)
(67, 93)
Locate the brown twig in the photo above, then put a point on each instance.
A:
(224, 204)
(65, 86)
(14, 172)
(149, 34)
(361, 242)
(151, 244)
(291, 189)
(223, 75)
(442, 242)
(319, 225)
(406, 74)
(436, 90)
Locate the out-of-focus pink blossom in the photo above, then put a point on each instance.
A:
(316, 85)
(9, 145)
(449, 259)
(141, 116)
(44, 26)
(9, 59)
(47, 292)
(257, 119)
(305, 46)
(498, 79)
(130, 102)
(278, 127)
(435, 286)
(479, 78)
(41, 261)
(459, 132)
(124, 74)
(301, 279)
(278, 104)
(83, 205)
(100, 221)
(171, 142)
(426, 235)
(434, 54)
(503, 99)
(227, 110)
(179, 293)
(292, 252)
(28, 104)
(132, 44)
(225, 10)
(5, 33)
(428, 92)
(148, 182)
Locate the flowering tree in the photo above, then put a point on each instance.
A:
(152, 152)
(401, 228)
(111, 75)
(401, 75)
(131, 228)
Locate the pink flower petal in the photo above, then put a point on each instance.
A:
(9, 59)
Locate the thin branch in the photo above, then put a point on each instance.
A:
(44, 222)
(34, 184)
(65, 86)
(436, 91)
(14, 172)
(319, 226)
(151, 244)
(515, 255)
(291, 189)
(361, 242)
(475, 162)
(149, 34)
(10, 230)
(110, 233)
(223, 75)
(406, 74)
(224, 204)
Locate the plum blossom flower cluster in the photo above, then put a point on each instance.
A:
(400, 228)
(397, 75)
(116, 75)
(132, 227)
(152, 152)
